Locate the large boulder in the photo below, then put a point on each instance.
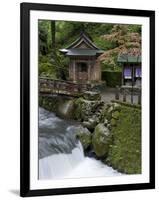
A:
(85, 137)
(101, 140)
(82, 109)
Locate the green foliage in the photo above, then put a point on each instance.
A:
(44, 30)
(49, 103)
(108, 66)
(134, 28)
(46, 68)
(103, 44)
(125, 152)
(112, 78)
(111, 64)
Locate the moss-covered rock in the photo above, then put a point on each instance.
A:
(87, 111)
(115, 115)
(105, 115)
(78, 108)
(113, 122)
(109, 111)
(101, 140)
(90, 124)
(85, 137)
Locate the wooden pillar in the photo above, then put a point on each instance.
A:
(124, 96)
(117, 93)
(70, 70)
(89, 70)
(139, 98)
(122, 81)
(100, 72)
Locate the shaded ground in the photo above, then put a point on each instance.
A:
(108, 94)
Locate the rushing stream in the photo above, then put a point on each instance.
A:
(61, 154)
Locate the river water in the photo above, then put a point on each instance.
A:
(61, 154)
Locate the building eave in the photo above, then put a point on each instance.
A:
(81, 52)
(129, 59)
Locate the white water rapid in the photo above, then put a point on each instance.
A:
(61, 154)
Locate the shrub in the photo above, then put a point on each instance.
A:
(112, 78)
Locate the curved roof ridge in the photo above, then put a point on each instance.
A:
(85, 38)
(89, 40)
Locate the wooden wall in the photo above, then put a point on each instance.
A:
(93, 71)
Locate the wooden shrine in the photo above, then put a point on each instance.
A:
(131, 69)
(83, 65)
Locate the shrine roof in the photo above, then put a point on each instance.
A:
(83, 46)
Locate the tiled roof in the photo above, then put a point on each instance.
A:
(83, 46)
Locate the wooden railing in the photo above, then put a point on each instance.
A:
(51, 86)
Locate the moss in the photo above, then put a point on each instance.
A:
(101, 140)
(125, 153)
(106, 113)
(113, 122)
(49, 103)
(78, 108)
(115, 115)
(126, 104)
(109, 111)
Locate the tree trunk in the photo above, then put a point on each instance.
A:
(60, 71)
(53, 38)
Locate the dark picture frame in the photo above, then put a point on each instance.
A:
(25, 189)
